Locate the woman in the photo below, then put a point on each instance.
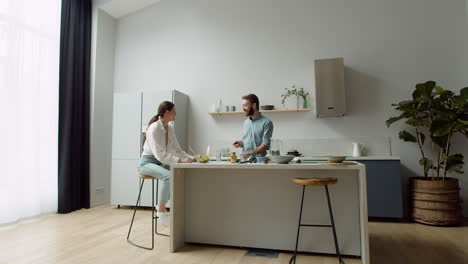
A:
(160, 149)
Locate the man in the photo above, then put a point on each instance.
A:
(257, 131)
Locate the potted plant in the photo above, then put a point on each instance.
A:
(435, 115)
(298, 92)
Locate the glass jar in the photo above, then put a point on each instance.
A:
(233, 157)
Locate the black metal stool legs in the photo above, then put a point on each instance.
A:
(294, 256)
(133, 218)
(154, 218)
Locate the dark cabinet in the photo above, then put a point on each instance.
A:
(384, 188)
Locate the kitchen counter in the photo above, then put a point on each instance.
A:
(355, 158)
(257, 206)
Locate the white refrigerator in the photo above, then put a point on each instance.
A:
(131, 113)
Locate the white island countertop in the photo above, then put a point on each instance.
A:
(227, 165)
(209, 206)
(354, 158)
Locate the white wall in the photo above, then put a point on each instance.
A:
(213, 49)
(104, 27)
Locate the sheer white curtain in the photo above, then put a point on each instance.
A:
(29, 71)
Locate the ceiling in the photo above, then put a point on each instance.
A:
(120, 8)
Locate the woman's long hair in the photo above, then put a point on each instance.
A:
(163, 107)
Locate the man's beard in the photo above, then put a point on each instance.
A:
(250, 112)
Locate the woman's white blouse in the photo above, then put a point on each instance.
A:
(155, 144)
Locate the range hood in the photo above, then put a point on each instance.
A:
(329, 87)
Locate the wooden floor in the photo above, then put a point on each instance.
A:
(98, 235)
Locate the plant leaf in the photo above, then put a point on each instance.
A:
(464, 92)
(430, 85)
(439, 89)
(414, 122)
(406, 136)
(461, 101)
(455, 168)
(426, 163)
(465, 122)
(454, 163)
(393, 120)
(440, 141)
(423, 91)
(455, 157)
(442, 131)
(440, 127)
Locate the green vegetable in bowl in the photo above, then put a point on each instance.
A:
(203, 158)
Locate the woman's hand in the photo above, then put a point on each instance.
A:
(186, 160)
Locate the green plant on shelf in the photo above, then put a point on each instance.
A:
(298, 92)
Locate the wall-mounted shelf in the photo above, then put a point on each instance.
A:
(263, 111)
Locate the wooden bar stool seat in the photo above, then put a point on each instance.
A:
(147, 177)
(315, 181)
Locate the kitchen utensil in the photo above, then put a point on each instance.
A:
(267, 107)
(281, 159)
(336, 159)
(249, 160)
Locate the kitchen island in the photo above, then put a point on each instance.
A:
(257, 206)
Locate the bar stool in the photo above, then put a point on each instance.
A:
(154, 219)
(316, 182)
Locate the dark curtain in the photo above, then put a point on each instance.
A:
(74, 106)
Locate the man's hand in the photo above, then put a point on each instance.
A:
(249, 154)
(238, 144)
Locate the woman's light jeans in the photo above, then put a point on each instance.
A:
(150, 166)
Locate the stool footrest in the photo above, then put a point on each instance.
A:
(317, 225)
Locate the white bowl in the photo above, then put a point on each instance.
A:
(336, 159)
(281, 159)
